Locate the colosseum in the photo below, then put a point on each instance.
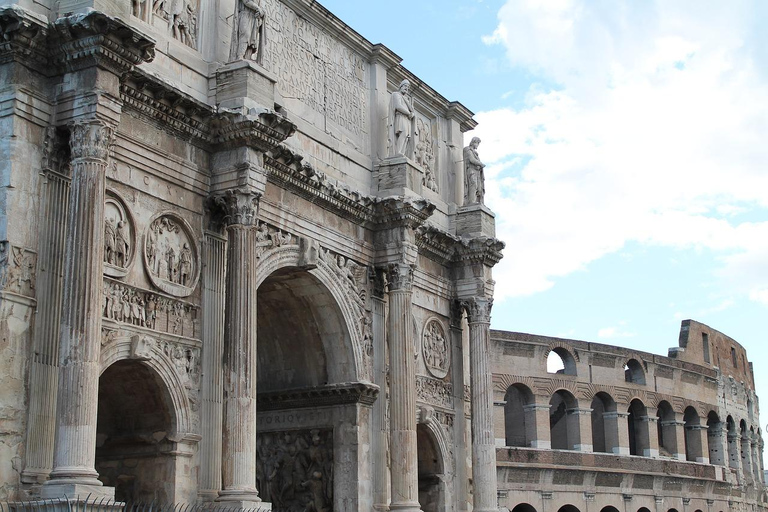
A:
(246, 263)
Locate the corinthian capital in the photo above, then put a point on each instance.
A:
(238, 207)
(90, 139)
(478, 309)
(400, 276)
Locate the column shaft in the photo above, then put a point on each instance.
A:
(537, 431)
(379, 414)
(80, 335)
(405, 485)
(239, 432)
(483, 445)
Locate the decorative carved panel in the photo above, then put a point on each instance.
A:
(435, 349)
(17, 269)
(294, 469)
(171, 255)
(119, 236)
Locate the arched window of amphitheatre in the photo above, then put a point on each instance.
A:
(715, 434)
(637, 423)
(633, 372)
(563, 427)
(605, 432)
(666, 429)
(517, 430)
(559, 360)
(609, 509)
(643, 509)
(693, 448)
(568, 508)
(524, 507)
(672, 510)
(745, 460)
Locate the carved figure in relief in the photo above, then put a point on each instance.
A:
(185, 264)
(122, 244)
(140, 9)
(474, 179)
(184, 24)
(401, 115)
(110, 241)
(4, 249)
(248, 32)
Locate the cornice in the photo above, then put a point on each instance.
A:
(436, 244)
(93, 38)
(446, 248)
(333, 394)
(396, 211)
(165, 105)
(23, 37)
(262, 129)
(286, 169)
(485, 250)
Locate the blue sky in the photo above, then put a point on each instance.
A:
(626, 146)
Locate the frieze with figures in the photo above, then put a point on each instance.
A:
(129, 305)
(119, 236)
(434, 391)
(435, 349)
(17, 269)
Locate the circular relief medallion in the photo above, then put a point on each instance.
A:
(171, 256)
(119, 236)
(435, 349)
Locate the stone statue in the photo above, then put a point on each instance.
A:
(401, 117)
(185, 264)
(248, 32)
(474, 180)
(122, 245)
(110, 241)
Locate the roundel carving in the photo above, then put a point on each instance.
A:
(119, 236)
(435, 349)
(171, 256)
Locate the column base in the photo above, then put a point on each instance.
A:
(240, 499)
(64, 488)
(405, 507)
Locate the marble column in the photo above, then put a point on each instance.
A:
(483, 445)
(239, 426)
(80, 336)
(380, 433)
(403, 449)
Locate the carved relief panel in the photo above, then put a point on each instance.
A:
(294, 469)
(425, 155)
(178, 17)
(171, 256)
(17, 269)
(119, 236)
(435, 349)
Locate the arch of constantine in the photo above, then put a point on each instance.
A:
(245, 260)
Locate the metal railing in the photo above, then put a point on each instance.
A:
(89, 504)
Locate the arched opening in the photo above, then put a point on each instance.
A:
(568, 508)
(563, 424)
(734, 457)
(135, 450)
(560, 360)
(518, 430)
(637, 424)
(667, 430)
(715, 438)
(605, 432)
(633, 372)
(672, 510)
(524, 507)
(304, 356)
(430, 471)
(746, 464)
(609, 509)
(693, 447)
(643, 509)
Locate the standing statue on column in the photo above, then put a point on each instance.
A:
(401, 117)
(248, 32)
(474, 179)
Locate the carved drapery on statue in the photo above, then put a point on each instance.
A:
(401, 120)
(171, 255)
(248, 32)
(294, 469)
(474, 177)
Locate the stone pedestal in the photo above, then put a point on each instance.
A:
(243, 85)
(483, 446)
(397, 175)
(239, 429)
(475, 220)
(80, 341)
(403, 449)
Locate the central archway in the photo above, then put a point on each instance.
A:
(309, 392)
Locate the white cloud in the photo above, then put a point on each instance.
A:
(655, 133)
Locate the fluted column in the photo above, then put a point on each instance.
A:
(380, 434)
(483, 447)
(405, 484)
(80, 335)
(239, 427)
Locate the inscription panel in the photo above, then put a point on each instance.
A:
(316, 69)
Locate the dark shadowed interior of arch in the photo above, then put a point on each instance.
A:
(609, 509)
(604, 434)
(135, 419)
(302, 338)
(515, 428)
(430, 467)
(524, 507)
(568, 508)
